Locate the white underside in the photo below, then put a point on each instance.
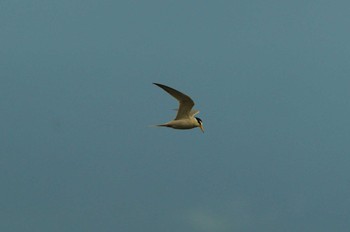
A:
(182, 123)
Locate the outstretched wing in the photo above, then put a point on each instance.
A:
(185, 102)
(194, 112)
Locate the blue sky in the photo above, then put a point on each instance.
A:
(271, 80)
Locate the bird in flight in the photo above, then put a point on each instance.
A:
(185, 118)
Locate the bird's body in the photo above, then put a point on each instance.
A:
(185, 118)
(182, 124)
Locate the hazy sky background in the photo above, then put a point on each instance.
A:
(271, 79)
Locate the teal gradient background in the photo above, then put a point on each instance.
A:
(271, 79)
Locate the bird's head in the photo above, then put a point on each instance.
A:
(200, 124)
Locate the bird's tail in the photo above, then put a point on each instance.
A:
(160, 125)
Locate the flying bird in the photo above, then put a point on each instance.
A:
(185, 118)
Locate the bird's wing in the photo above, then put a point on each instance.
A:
(185, 102)
(194, 112)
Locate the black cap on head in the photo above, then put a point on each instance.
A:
(199, 120)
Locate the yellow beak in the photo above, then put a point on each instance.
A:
(202, 128)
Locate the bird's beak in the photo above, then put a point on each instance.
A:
(202, 128)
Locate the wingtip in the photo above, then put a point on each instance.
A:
(162, 86)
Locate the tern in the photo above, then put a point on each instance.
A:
(185, 118)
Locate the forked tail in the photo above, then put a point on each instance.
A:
(160, 125)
